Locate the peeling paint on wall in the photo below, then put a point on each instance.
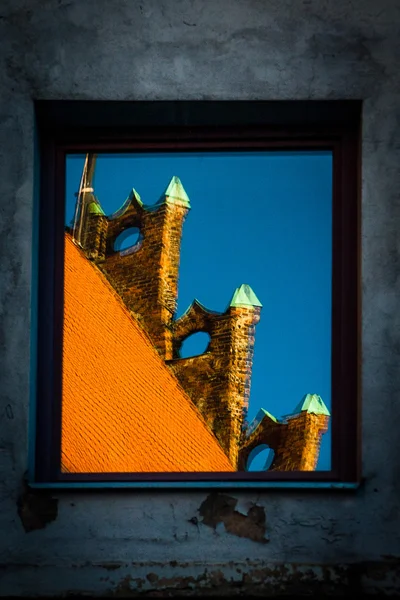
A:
(219, 509)
(36, 509)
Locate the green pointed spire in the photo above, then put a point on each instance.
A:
(94, 208)
(244, 296)
(312, 403)
(175, 193)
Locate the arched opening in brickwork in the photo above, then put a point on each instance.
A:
(260, 458)
(194, 345)
(128, 240)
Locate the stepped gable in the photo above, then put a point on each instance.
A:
(122, 410)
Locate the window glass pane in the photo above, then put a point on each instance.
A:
(163, 246)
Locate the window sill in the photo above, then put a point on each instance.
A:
(244, 485)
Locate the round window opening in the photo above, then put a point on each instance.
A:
(128, 240)
(195, 344)
(260, 458)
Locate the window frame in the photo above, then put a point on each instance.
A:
(75, 126)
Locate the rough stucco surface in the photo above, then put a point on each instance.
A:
(128, 543)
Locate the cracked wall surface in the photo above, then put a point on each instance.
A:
(126, 543)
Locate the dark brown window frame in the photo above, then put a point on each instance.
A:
(75, 126)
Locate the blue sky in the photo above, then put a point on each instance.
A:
(261, 218)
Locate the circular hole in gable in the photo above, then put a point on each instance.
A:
(194, 344)
(129, 238)
(260, 458)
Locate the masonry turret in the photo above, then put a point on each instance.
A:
(295, 439)
(305, 427)
(218, 381)
(145, 275)
(90, 224)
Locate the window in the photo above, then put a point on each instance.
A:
(195, 344)
(161, 223)
(129, 240)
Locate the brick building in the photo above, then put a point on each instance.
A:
(145, 277)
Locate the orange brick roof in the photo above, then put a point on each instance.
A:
(122, 409)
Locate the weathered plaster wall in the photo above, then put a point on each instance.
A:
(175, 49)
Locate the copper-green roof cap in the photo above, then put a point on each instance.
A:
(312, 403)
(175, 193)
(136, 195)
(124, 207)
(94, 208)
(244, 296)
(262, 413)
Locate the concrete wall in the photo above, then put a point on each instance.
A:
(174, 49)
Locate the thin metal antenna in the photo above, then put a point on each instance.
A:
(78, 205)
(85, 186)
